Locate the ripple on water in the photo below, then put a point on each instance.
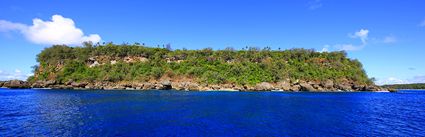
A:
(171, 113)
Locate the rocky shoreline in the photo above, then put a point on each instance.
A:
(289, 86)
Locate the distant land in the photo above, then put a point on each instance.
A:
(139, 67)
(406, 86)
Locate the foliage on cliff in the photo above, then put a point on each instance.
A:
(248, 66)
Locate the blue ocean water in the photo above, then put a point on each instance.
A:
(176, 113)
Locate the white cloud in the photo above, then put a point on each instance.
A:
(362, 34)
(9, 26)
(393, 80)
(314, 4)
(349, 47)
(325, 49)
(17, 74)
(59, 30)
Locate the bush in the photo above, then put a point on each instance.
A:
(250, 66)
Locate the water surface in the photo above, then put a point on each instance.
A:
(176, 113)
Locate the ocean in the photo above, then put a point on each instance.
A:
(37, 112)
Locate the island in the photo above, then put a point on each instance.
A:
(139, 67)
(405, 86)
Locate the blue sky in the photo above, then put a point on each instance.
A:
(388, 37)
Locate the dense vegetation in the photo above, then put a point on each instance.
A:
(246, 66)
(406, 86)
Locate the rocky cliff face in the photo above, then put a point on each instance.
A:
(287, 86)
(190, 85)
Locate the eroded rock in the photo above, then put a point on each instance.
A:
(16, 84)
(283, 85)
(306, 87)
(166, 84)
(264, 86)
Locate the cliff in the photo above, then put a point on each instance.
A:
(111, 66)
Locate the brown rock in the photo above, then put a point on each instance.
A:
(50, 82)
(148, 86)
(192, 86)
(359, 87)
(69, 82)
(283, 85)
(238, 88)
(17, 84)
(185, 86)
(295, 87)
(158, 86)
(328, 84)
(177, 85)
(108, 87)
(89, 86)
(137, 86)
(43, 84)
(215, 87)
(373, 88)
(321, 89)
(37, 84)
(264, 86)
(344, 87)
(79, 84)
(62, 87)
(206, 88)
(119, 87)
(166, 85)
(306, 87)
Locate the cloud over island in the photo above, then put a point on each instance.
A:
(362, 34)
(59, 30)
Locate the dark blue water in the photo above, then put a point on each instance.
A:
(174, 113)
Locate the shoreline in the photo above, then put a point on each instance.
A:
(289, 86)
(265, 91)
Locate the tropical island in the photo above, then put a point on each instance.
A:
(406, 86)
(139, 67)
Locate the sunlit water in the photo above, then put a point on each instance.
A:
(176, 113)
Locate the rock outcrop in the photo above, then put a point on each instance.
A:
(289, 86)
(306, 87)
(328, 84)
(264, 86)
(283, 85)
(43, 84)
(166, 84)
(16, 84)
(185, 86)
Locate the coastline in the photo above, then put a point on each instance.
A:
(284, 86)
